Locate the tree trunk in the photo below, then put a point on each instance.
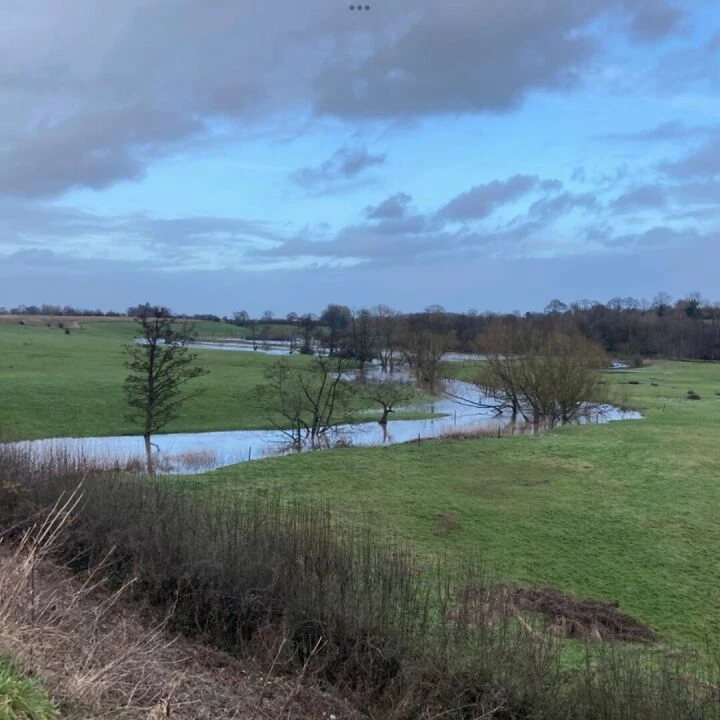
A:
(148, 454)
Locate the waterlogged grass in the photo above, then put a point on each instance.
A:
(22, 698)
(54, 384)
(626, 511)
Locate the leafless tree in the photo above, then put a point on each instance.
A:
(306, 403)
(423, 350)
(388, 393)
(387, 336)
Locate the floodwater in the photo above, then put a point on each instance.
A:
(266, 347)
(200, 452)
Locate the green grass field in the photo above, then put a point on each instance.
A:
(626, 511)
(57, 385)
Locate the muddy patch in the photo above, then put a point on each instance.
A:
(561, 614)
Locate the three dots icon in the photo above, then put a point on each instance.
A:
(359, 7)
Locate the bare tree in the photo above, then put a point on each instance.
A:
(423, 350)
(545, 377)
(388, 394)
(306, 403)
(160, 365)
(387, 336)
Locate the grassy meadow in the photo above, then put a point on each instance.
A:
(626, 511)
(54, 384)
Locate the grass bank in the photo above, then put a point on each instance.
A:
(625, 511)
(71, 385)
(271, 580)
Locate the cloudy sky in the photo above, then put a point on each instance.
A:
(217, 155)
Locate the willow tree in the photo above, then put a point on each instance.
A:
(552, 377)
(160, 366)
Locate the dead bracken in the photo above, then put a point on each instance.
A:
(564, 615)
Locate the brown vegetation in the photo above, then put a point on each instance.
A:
(565, 615)
(100, 656)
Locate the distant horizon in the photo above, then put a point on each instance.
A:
(646, 303)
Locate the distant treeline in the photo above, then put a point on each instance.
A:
(688, 328)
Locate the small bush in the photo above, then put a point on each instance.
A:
(22, 698)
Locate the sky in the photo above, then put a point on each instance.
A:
(219, 155)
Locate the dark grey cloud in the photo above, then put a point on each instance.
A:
(654, 237)
(644, 197)
(548, 209)
(671, 131)
(464, 56)
(391, 208)
(704, 162)
(482, 200)
(345, 165)
(704, 192)
(653, 21)
(91, 98)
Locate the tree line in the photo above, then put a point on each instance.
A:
(688, 328)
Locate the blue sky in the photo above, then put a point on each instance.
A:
(489, 154)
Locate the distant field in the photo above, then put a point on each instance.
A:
(55, 384)
(626, 511)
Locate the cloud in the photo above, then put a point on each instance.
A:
(669, 131)
(645, 197)
(547, 210)
(90, 99)
(654, 237)
(463, 56)
(638, 270)
(391, 208)
(704, 162)
(482, 200)
(346, 164)
(171, 243)
(653, 21)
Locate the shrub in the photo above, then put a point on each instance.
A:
(22, 698)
